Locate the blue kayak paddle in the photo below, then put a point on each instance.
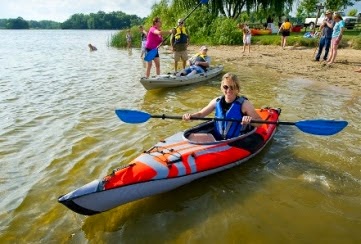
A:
(149, 56)
(316, 127)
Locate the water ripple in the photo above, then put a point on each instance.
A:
(58, 131)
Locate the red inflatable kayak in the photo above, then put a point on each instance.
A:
(173, 162)
(256, 32)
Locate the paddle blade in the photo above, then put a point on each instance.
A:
(321, 127)
(151, 55)
(132, 116)
(204, 1)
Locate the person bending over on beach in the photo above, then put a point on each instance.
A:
(91, 47)
(198, 63)
(229, 106)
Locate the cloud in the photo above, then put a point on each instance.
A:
(61, 10)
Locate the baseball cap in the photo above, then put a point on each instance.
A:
(203, 48)
(180, 21)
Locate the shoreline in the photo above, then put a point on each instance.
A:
(292, 62)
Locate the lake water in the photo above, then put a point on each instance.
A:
(58, 131)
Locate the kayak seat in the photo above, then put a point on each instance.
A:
(201, 137)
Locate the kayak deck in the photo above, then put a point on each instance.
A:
(170, 163)
(171, 80)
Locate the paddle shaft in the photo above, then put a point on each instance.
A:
(163, 116)
(316, 127)
(178, 24)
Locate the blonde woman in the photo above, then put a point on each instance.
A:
(229, 106)
(246, 36)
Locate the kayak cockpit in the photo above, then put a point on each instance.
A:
(203, 134)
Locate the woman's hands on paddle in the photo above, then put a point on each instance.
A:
(186, 117)
(246, 120)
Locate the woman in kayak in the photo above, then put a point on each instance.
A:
(229, 106)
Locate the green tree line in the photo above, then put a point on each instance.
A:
(215, 23)
(99, 21)
(102, 21)
(307, 8)
(20, 23)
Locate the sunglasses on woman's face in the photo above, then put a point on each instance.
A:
(225, 87)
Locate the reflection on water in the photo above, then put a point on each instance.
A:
(59, 131)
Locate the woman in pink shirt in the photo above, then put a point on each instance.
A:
(154, 38)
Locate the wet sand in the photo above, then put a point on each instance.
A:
(292, 62)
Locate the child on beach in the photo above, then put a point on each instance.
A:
(246, 36)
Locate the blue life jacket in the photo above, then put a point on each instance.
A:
(228, 129)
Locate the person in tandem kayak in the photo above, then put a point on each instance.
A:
(198, 63)
(229, 106)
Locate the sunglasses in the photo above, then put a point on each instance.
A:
(225, 87)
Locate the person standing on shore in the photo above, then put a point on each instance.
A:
(246, 36)
(179, 43)
(326, 35)
(154, 39)
(143, 38)
(285, 29)
(337, 32)
(128, 36)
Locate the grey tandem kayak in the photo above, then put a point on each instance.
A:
(170, 80)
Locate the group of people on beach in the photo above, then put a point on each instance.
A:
(331, 32)
(152, 39)
(227, 105)
(230, 103)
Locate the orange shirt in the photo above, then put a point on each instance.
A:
(286, 26)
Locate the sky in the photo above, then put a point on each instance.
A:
(357, 6)
(61, 10)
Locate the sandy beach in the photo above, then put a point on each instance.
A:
(292, 61)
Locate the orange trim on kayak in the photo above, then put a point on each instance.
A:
(183, 158)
